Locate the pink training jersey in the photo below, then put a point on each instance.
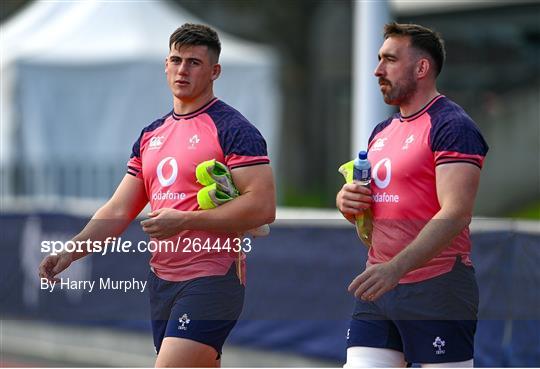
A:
(165, 157)
(403, 152)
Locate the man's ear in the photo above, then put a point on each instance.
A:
(165, 64)
(423, 67)
(216, 71)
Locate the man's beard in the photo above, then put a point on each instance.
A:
(399, 92)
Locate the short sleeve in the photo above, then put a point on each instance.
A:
(134, 164)
(242, 143)
(458, 140)
(245, 147)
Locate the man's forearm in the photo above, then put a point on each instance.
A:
(105, 223)
(436, 235)
(245, 212)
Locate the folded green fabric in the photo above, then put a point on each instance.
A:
(364, 221)
(219, 189)
(212, 171)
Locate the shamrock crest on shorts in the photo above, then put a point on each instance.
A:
(184, 320)
(439, 344)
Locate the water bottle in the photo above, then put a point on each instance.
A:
(362, 175)
(362, 169)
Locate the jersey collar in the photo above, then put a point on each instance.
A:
(202, 109)
(421, 111)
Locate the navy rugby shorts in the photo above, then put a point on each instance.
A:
(431, 321)
(202, 309)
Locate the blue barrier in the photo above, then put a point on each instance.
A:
(296, 298)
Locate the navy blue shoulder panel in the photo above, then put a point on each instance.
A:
(136, 150)
(235, 133)
(379, 127)
(453, 130)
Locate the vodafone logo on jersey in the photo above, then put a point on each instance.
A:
(166, 182)
(381, 174)
(167, 171)
(377, 174)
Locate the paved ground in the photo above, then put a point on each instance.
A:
(36, 344)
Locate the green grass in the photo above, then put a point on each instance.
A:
(312, 198)
(531, 212)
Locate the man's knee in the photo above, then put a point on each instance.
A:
(372, 357)
(181, 352)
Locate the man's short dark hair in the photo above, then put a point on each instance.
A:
(196, 35)
(422, 38)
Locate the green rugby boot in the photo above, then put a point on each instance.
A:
(220, 189)
(212, 171)
(210, 197)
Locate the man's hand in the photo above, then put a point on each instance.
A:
(353, 199)
(164, 223)
(375, 281)
(53, 264)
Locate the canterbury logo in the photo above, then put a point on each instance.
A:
(156, 142)
(166, 182)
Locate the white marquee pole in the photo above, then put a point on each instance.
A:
(368, 107)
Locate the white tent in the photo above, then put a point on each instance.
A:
(81, 79)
